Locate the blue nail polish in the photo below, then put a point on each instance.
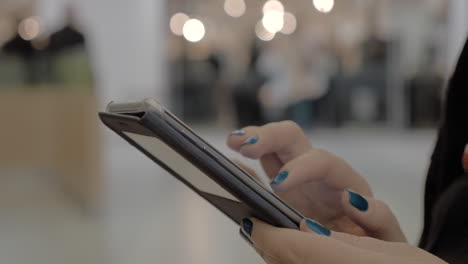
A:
(238, 133)
(317, 228)
(250, 141)
(247, 226)
(358, 201)
(245, 237)
(279, 178)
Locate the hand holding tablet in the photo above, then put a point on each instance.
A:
(174, 146)
(308, 182)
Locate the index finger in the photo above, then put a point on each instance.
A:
(285, 139)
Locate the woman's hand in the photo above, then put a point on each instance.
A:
(315, 244)
(315, 182)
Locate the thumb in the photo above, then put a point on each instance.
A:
(374, 216)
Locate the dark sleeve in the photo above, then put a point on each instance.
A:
(447, 184)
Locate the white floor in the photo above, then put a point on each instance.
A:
(149, 217)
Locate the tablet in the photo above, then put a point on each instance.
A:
(171, 144)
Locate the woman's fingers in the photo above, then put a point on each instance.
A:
(399, 249)
(313, 244)
(314, 165)
(281, 245)
(379, 246)
(393, 249)
(271, 164)
(374, 216)
(400, 252)
(285, 139)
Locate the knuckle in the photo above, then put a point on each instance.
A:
(292, 126)
(385, 210)
(251, 152)
(249, 129)
(382, 216)
(326, 157)
(321, 152)
(331, 161)
(322, 158)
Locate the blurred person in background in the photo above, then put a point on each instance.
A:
(349, 225)
(246, 103)
(293, 82)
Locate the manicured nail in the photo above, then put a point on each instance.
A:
(247, 227)
(358, 201)
(250, 141)
(238, 133)
(317, 228)
(245, 237)
(279, 178)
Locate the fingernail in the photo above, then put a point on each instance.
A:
(358, 201)
(317, 228)
(238, 133)
(247, 227)
(245, 237)
(279, 178)
(250, 141)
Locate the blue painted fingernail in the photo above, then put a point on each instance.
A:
(358, 201)
(317, 228)
(247, 226)
(250, 141)
(238, 133)
(279, 178)
(245, 237)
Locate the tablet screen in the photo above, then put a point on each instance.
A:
(179, 164)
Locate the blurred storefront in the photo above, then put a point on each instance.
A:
(327, 63)
(60, 62)
(338, 63)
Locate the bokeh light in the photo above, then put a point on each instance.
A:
(273, 21)
(324, 6)
(193, 30)
(290, 24)
(273, 5)
(177, 23)
(262, 33)
(234, 8)
(29, 28)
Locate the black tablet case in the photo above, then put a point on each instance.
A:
(250, 204)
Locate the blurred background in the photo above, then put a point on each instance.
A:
(364, 78)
